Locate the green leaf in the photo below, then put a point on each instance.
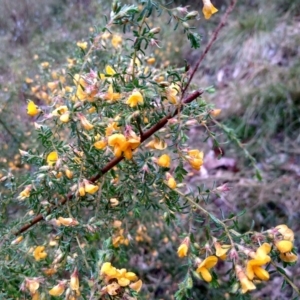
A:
(195, 40)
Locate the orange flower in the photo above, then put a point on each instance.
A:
(288, 257)
(208, 9)
(137, 286)
(58, 290)
(74, 281)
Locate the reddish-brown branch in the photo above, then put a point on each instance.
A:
(208, 46)
(160, 124)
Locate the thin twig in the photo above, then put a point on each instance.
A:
(212, 40)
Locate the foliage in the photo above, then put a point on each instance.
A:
(96, 182)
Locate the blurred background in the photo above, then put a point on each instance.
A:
(255, 70)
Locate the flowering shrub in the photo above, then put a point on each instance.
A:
(116, 150)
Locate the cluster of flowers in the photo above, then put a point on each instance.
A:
(70, 287)
(116, 279)
(280, 244)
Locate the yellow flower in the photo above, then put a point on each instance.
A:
(254, 269)
(52, 158)
(116, 41)
(111, 128)
(122, 281)
(164, 161)
(221, 250)
(205, 266)
(246, 284)
(82, 45)
(286, 232)
(134, 99)
(62, 112)
(52, 85)
(118, 142)
(137, 286)
(110, 95)
(114, 202)
(36, 296)
(131, 276)
(85, 123)
(208, 9)
(90, 188)
(32, 284)
(32, 109)
(108, 269)
(254, 266)
(111, 289)
(74, 281)
(172, 92)
(82, 87)
(109, 70)
(263, 251)
(183, 248)
(171, 183)
(67, 221)
(100, 145)
(58, 290)
(157, 144)
(69, 173)
(121, 275)
(284, 246)
(39, 253)
(133, 141)
(45, 64)
(195, 159)
(25, 193)
(124, 145)
(28, 80)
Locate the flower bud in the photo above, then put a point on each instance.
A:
(185, 25)
(191, 15)
(155, 30)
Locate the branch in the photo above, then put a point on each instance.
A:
(160, 124)
(212, 40)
